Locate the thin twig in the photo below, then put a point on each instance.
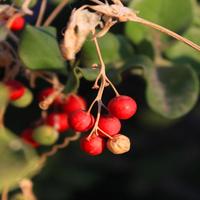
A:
(55, 148)
(166, 31)
(97, 2)
(26, 186)
(55, 12)
(41, 13)
(13, 36)
(5, 194)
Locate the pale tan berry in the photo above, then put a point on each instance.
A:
(119, 144)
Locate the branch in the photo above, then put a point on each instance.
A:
(41, 13)
(55, 12)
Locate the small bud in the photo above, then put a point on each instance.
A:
(119, 144)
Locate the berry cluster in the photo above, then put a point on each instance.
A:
(71, 113)
(19, 95)
(48, 128)
(108, 127)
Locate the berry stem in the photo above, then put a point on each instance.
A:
(41, 13)
(104, 82)
(105, 133)
(5, 193)
(113, 87)
(2, 111)
(166, 31)
(97, 2)
(55, 148)
(44, 105)
(26, 186)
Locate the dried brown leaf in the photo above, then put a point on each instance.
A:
(81, 23)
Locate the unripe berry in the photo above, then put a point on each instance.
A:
(17, 23)
(45, 135)
(73, 102)
(109, 124)
(27, 137)
(16, 89)
(24, 100)
(46, 92)
(122, 107)
(80, 120)
(59, 121)
(119, 144)
(94, 146)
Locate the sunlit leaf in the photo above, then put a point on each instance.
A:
(39, 50)
(17, 160)
(172, 91)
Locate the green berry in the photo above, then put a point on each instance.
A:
(45, 135)
(25, 100)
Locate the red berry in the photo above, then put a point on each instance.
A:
(80, 120)
(27, 137)
(17, 23)
(94, 146)
(73, 102)
(122, 107)
(91, 123)
(16, 89)
(109, 124)
(59, 121)
(43, 94)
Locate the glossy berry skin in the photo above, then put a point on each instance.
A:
(16, 89)
(17, 24)
(122, 107)
(94, 146)
(73, 102)
(43, 94)
(80, 120)
(109, 124)
(26, 135)
(91, 123)
(59, 121)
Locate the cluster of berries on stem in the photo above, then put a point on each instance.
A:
(104, 126)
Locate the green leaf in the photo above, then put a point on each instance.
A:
(182, 53)
(172, 91)
(113, 48)
(73, 82)
(138, 61)
(175, 15)
(39, 49)
(91, 74)
(19, 3)
(114, 75)
(88, 73)
(17, 160)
